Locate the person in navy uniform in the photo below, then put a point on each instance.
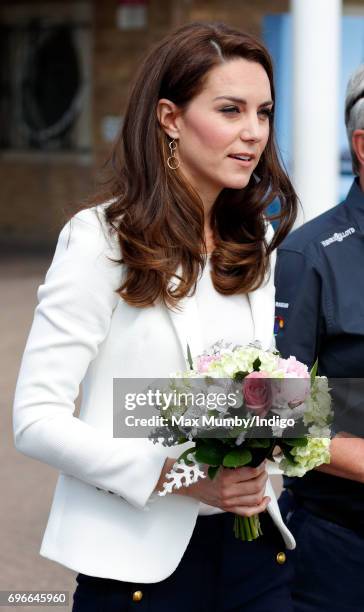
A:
(320, 314)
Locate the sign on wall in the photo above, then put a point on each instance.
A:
(132, 14)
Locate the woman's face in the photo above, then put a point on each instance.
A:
(224, 130)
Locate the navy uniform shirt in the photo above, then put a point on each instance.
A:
(320, 314)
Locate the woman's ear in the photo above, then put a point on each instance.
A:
(168, 115)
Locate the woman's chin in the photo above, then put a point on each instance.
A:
(238, 183)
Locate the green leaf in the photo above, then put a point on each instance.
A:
(259, 443)
(189, 357)
(212, 471)
(288, 456)
(256, 365)
(295, 441)
(313, 372)
(214, 413)
(239, 376)
(237, 458)
(209, 454)
(185, 455)
(290, 459)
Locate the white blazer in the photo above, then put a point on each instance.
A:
(84, 333)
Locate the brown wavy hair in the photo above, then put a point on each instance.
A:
(157, 215)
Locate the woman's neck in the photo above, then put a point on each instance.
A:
(209, 237)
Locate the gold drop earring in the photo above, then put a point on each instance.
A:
(173, 161)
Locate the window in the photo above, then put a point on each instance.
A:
(45, 80)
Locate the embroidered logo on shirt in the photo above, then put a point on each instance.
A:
(338, 237)
(278, 324)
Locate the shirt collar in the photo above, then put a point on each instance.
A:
(355, 203)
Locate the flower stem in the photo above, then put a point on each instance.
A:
(247, 528)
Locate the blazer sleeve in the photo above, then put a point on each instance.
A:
(71, 320)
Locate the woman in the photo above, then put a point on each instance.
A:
(177, 252)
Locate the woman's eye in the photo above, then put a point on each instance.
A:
(230, 109)
(266, 113)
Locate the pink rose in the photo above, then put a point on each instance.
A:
(204, 361)
(257, 392)
(292, 366)
(296, 385)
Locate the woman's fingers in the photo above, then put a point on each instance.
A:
(246, 491)
(248, 487)
(251, 510)
(242, 474)
(239, 490)
(244, 500)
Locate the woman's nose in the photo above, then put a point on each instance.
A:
(251, 130)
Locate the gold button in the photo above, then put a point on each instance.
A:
(137, 595)
(281, 558)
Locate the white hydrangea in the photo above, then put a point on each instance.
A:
(242, 360)
(318, 404)
(315, 453)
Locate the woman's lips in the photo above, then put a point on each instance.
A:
(246, 163)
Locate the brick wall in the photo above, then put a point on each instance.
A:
(36, 189)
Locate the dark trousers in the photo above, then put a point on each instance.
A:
(217, 573)
(328, 562)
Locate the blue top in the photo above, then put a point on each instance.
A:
(320, 314)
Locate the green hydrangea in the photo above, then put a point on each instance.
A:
(315, 453)
(318, 405)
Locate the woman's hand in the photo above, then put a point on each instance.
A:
(238, 490)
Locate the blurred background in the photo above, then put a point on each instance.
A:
(65, 71)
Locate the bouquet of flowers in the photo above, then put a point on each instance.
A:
(260, 392)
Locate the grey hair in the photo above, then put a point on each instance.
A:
(217, 49)
(354, 110)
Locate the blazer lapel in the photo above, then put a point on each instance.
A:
(187, 325)
(262, 308)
